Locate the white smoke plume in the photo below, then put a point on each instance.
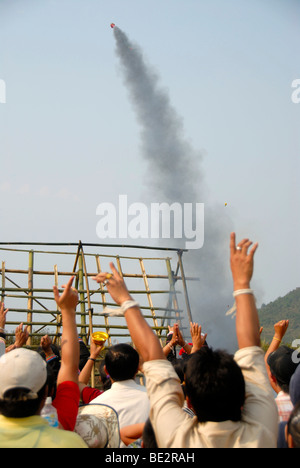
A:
(175, 175)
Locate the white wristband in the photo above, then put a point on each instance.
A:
(243, 291)
(120, 311)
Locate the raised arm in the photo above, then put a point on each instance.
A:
(172, 343)
(146, 342)
(86, 372)
(247, 321)
(67, 303)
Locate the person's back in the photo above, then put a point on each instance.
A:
(35, 432)
(129, 399)
(232, 400)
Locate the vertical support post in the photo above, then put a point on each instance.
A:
(58, 317)
(3, 282)
(30, 295)
(173, 297)
(187, 302)
(104, 302)
(90, 311)
(119, 266)
(81, 297)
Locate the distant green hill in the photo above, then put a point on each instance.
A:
(283, 308)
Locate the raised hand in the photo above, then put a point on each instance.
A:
(69, 299)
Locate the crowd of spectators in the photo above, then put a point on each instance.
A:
(198, 397)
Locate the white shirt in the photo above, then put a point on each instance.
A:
(129, 400)
(174, 429)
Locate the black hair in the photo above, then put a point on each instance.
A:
(293, 425)
(179, 367)
(149, 439)
(122, 362)
(215, 386)
(15, 403)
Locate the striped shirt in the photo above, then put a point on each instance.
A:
(285, 406)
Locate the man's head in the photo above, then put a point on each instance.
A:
(215, 386)
(122, 362)
(22, 383)
(282, 366)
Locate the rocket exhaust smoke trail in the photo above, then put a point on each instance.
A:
(175, 176)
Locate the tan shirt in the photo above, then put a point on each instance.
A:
(174, 429)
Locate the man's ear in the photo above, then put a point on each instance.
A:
(43, 400)
(273, 378)
(289, 438)
(290, 442)
(188, 401)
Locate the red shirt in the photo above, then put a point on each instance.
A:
(66, 403)
(89, 394)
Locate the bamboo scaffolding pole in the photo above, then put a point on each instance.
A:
(187, 302)
(77, 257)
(104, 303)
(87, 244)
(30, 300)
(173, 277)
(80, 291)
(118, 260)
(71, 273)
(46, 324)
(149, 295)
(90, 312)
(3, 282)
(40, 273)
(173, 295)
(81, 296)
(58, 316)
(97, 314)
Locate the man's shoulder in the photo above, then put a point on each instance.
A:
(35, 432)
(63, 439)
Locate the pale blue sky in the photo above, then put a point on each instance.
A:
(68, 135)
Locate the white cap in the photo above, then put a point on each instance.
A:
(22, 368)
